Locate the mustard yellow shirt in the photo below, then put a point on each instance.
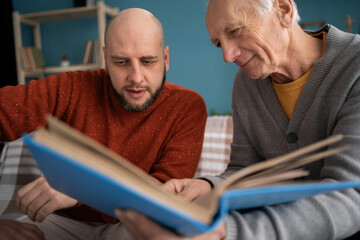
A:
(288, 94)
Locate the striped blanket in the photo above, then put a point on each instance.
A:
(17, 168)
(215, 153)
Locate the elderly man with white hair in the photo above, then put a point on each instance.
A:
(293, 88)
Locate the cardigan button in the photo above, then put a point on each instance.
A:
(291, 137)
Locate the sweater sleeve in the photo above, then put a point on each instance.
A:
(23, 108)
(181, 154)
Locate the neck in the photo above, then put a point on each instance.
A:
(302, 52)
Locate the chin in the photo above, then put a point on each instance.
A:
(263, 77)
(253, 76)
(138, 107)
(257, 75)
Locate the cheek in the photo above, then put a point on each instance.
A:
(265, 54)
(262, 43)
(153, 77)
(273, 46)
(152, 82)
(117, 79)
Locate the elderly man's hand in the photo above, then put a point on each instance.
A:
(141, 228)
(187, 188)
(12, 230)
(37, 200)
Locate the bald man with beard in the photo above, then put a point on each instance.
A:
(128, 107)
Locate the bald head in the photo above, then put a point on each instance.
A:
(135, 21)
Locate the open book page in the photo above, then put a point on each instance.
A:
(268, 180)
(68, 141)
(270, 171)
(295, 163)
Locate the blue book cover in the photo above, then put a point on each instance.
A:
(90, 183)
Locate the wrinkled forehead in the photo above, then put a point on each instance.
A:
(228, 10)
(223, 14)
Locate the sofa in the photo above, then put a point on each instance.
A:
(17, 167)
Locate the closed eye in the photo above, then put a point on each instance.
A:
(148, 60)
(119, 60)
(234, 31)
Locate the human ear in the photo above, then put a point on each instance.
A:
(166, 58)
(285, 12)
(104, 52)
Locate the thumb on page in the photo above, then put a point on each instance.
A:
(187, 188)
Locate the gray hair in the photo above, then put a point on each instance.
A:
(265, 6)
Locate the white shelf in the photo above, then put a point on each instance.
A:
(100, 11)
(63, 14)
(59, 69)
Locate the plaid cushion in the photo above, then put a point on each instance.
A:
(17, 168)
(216, 147)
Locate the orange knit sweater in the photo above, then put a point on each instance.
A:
(165, 140)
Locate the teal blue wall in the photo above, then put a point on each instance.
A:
(331, 11)
(194, 62)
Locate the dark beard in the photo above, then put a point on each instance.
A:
(146, 105)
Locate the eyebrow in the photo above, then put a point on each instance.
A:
(114, 57)
(148, 57)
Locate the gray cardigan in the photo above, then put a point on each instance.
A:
(329, 104)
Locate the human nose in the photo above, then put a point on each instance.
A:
(135, 75)
(230, 52)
